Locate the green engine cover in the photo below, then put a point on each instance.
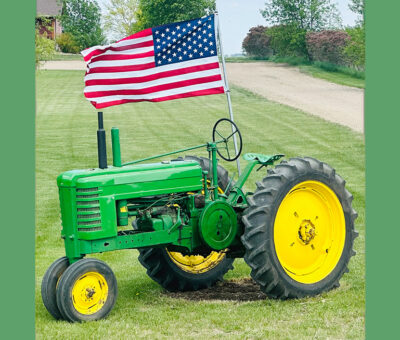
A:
(218, 225)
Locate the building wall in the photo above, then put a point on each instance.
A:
(53, 23)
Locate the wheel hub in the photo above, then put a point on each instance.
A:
(306, 232)
(89, 293)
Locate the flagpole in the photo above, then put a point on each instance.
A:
(227, 90)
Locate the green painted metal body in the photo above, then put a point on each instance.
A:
(116, 148)
(167, 200)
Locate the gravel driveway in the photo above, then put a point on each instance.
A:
(287, 85)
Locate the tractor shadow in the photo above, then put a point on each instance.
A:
(237, 290)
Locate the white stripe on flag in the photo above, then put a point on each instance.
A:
(131, 52)
(155, 70)
(127, 62)
(159, 94)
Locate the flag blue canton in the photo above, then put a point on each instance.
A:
(182, 41)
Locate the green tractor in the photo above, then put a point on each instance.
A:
(189, 220)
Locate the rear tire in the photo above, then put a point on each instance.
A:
(299, 229)
(168, 268)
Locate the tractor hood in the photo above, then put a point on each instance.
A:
(140, 173)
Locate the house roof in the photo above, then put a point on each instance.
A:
(48, 7)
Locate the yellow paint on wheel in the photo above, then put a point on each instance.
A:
(309, 232)
(196, 264)
(89, 293)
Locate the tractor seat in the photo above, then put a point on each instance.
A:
(262, 159)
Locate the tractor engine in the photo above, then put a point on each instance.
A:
(96, 203)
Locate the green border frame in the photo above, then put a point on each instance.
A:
(17, 139)
(382, 122)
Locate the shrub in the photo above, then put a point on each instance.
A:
(288, 41)
(291, 60)
(327, 46)
(257, 42)
(44, 48)
(354, 51)
(67, 44)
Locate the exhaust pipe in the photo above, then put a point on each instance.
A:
(101, 142)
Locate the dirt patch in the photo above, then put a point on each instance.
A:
(233, 290)
(63, 65)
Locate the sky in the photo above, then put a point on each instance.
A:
(238, 16)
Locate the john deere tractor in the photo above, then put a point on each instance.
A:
(189, 220)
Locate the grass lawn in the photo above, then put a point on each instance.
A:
(66, 56)
(333, 77)
(66, 139)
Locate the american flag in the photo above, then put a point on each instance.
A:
(162, 63)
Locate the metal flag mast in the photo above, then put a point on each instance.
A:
(218, 36)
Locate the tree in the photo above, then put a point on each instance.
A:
(81, 18)
(288, 41)
(355, 49)
(357, 6)
(158, 12)
(120, 17)
(257, 42)
(309, 15)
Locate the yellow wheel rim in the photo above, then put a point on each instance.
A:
(309, 232)
(197, 264)
(89, 293)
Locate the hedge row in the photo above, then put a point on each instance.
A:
(337, 47)
(327, 46)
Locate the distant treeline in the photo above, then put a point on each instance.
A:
(308, 30)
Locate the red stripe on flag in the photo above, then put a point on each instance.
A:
(151, 77)
(117, 49)
(141, 34)
(153, 89)
(122, 56)
(112, 69)
(130, 47)
(206, 92)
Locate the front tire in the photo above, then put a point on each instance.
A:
(87, 291)
(299, 229)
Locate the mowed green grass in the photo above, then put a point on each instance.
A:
(66, 139)
(332, 76)
(58, 56)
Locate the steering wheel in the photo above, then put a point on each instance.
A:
(226, 131)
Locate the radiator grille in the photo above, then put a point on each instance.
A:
(87, 189)
(88, 209)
